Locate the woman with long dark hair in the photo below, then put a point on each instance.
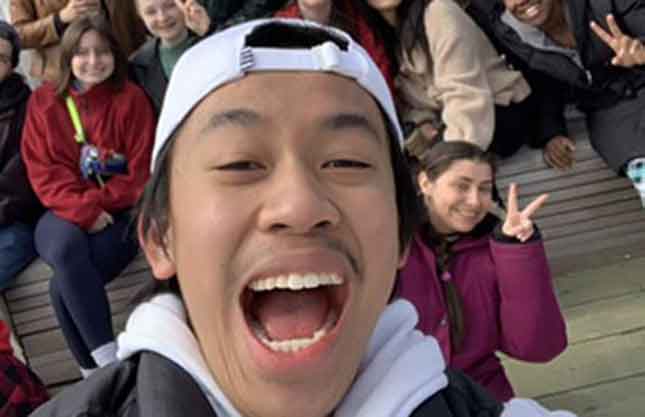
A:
(86, 144)
(452, 83)
(481, 285)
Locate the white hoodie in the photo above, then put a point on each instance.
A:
(389, 383)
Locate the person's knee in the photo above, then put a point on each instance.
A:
(59, 242)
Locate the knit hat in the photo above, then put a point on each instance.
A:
(225, 57)
(8, 33)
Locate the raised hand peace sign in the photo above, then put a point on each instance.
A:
(195, 15)
(518, 224)
(629, 51)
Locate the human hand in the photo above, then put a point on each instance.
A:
(428, 130)
(79, 8)
(629, 51)
(104, 220)
(518, 224)
(195, 16)
(318, 11)
(558, 153)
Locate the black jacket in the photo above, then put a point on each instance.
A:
(224, 13)
(18, 203)
(599, 84)
(146, 70)
(149, 385)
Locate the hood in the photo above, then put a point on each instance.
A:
(388, 383)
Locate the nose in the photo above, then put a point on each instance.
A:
(473, 198)
(160, 16)
(92, 58)
(297, 202)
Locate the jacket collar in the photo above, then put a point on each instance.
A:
(102, 91)
(178, 395)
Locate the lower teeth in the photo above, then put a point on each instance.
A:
(294, 345)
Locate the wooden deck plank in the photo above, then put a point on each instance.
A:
(550, 175)
(607, 317)
(595, 362)
(615, 252)
(595, 224)
(590, 213)
(587, 287)
(39, 293)
(46, 342)
(619, 398)
(595, 240)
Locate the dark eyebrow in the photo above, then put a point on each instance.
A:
(234, 117)
(342, 121)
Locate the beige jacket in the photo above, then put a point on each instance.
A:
(461, 78)
(34, 20)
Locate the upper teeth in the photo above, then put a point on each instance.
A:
(532, 11)
(295, 282)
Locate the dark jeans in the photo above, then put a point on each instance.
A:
(514, 127)
(83, 264)
(16, 251)
(617, 133)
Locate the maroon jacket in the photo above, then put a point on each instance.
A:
(509, 305)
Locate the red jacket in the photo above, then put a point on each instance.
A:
(508, 299)
(118, 119)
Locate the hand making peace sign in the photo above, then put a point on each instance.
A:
(629, 51)
(195, 14)
(518, 224)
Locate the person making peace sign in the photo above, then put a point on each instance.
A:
(592, 54)
(480, 285)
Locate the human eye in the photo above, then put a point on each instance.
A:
(461, 186)
(346, 163)
(242, 165)
(486, 189)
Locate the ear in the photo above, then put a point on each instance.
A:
(158, 250)
(425, 185)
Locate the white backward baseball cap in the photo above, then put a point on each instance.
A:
(225, 57)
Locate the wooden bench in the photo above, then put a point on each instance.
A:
(592, 218)
(36, 327)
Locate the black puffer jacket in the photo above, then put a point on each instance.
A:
(149, 385)
(224, 13)
(599, 84)
(18, 203)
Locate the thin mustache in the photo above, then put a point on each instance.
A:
(338, 246)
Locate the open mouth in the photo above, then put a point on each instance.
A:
(292, 313)
(531, 10)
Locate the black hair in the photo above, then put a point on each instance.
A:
(153, 207)
(9, 34)
(383, 31)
